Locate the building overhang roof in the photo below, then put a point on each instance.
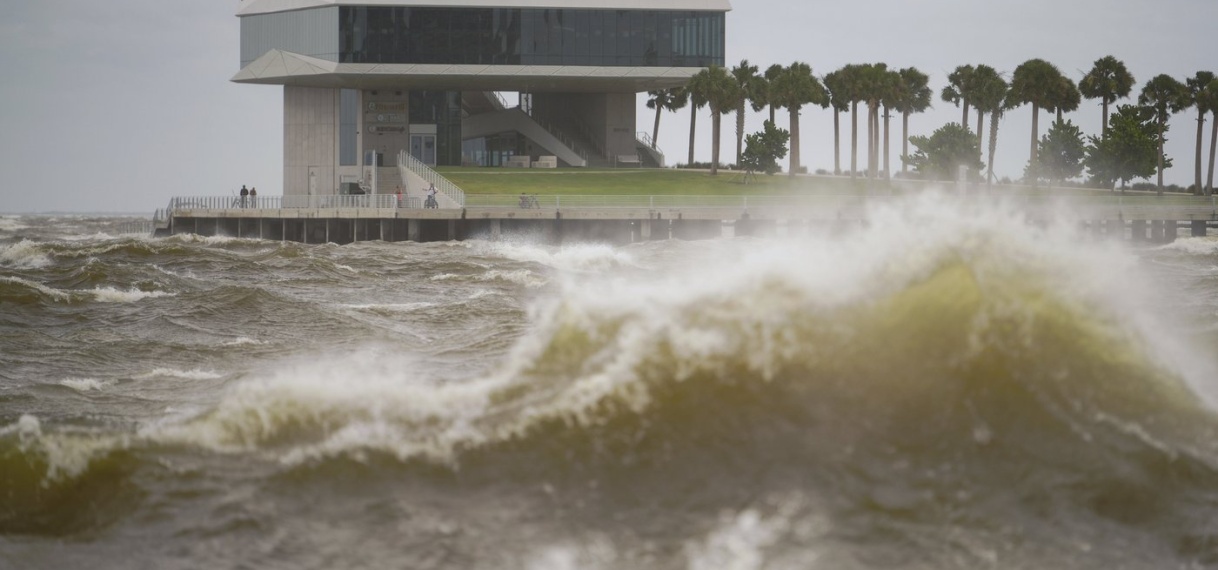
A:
(277, 67)
(251, 7)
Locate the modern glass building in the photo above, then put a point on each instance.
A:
(433, 77)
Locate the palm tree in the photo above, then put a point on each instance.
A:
(987, 89)
(771, 75)
(990, 97)
(1038, 82)
(746, 79)
(957, 90)
(1196, 85)
(852, 76)
(839, 98)
(1068, 98)
(914, 97)
(1107, 81)
(1209, 96)
(720, 92)
(1164, 95)
(872, 86)
(665, 100)
(696, 101)
(793, 89)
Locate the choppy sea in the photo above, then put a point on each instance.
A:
(945, 388)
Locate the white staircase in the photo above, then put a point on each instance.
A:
(514, 119)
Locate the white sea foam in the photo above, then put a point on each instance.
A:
(578, 257)
(67, 455)
(518, 276)
(394, 307)
(24, 254)
(11, 224)
(56, 294)
(193, 374)
(85, 384)
(112, 295)
(1194, 246)
(244, 341)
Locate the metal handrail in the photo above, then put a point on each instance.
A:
(425, 172)
(1095, 207)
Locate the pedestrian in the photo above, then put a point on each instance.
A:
(245, 192)
(399, 195)
(431, 197)
(253, 197)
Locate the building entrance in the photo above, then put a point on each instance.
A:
(423, 148)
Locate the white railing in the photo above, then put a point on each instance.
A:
(373, 201)
(455, 193)
(1077, 207)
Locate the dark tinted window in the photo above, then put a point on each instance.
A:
(530, 36)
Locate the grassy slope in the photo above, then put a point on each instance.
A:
(686, 182)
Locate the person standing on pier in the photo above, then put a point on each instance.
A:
(245, 192)
(253, 197)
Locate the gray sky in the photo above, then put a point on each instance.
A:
(117, 106)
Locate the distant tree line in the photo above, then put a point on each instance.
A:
(1130, 145)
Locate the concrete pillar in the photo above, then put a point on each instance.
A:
(1157, 231)
(1170, 230)
(412, 230)
(1138, 230)
(1198, 228)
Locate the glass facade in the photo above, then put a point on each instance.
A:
(306, 32)
(525, 36)
(442, 109)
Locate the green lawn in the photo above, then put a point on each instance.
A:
(652, 181)
(661, 181)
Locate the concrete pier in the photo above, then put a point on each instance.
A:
(634, 219)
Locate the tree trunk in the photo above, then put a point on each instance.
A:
(794, 140)
(1198, 189)
(1032, 159)
(875, 127)
(904, 141)
(739, 132)
(772, 115)
(993, 145)
(655, 131)
(1059, 114)
(870, 139)
(964, 116)
(887, 164)
(837, 144)
(693, 123)
(1104, 132)
(854, 138)
(715, 116)
(980, 131)
(1209, 179)
(1160, 157)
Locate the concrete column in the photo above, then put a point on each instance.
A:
(1170, 229)
(412, 230)
(1156, 231)
(1138, 229)
(1198, 228)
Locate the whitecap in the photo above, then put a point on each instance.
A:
(112, 295)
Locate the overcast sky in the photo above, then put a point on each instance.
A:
(117, 106)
